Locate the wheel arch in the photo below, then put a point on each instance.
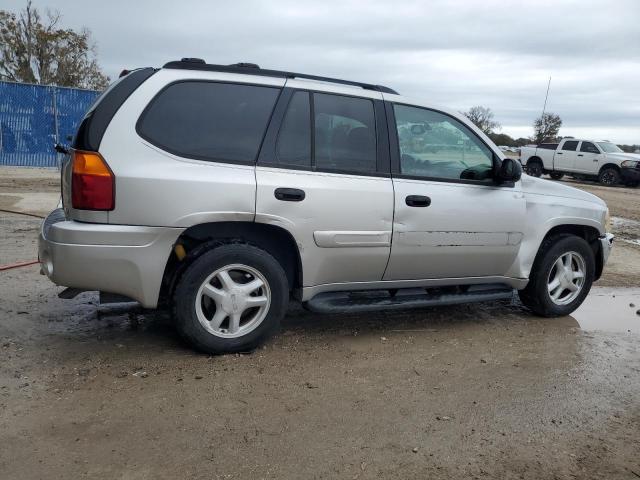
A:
(609, 165)
(587, 232)
(199, 238)
(535, 159)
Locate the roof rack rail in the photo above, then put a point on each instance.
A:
(253, 69)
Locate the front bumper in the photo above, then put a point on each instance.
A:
(606, 243)
(630, 174)
(122, 259)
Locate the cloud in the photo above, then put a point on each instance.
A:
(452, 53)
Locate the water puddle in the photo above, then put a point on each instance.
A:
(610, 310)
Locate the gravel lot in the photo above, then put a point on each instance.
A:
(474, 391)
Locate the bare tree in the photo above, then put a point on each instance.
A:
(34, 49)
(546, 127)
(482, 117)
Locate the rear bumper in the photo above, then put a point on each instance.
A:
(122, 259)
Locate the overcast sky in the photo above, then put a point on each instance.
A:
(456, 54)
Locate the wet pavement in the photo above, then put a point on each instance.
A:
(471, 391)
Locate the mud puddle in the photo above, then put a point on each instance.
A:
(610, 310)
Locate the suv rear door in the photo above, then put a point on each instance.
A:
(323, 174)
(451, 219)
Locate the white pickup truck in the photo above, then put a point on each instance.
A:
(582, 159)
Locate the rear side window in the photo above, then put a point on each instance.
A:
(345, 133)
(209, 121)
(589, 147)
(570, 145)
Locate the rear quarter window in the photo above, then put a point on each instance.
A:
(548, 146)
(95, 122)
(208, 120)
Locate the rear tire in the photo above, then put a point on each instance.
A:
(230, 299)
(609, 177)
(556, 175)
(555, 286)
(534, 168)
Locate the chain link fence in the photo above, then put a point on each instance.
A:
(33, 118)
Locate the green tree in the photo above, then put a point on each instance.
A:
(546, 127)
(630, 148)
(482, 117)
(502, 139)
(35, 49)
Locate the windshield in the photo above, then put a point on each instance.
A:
(609, 147)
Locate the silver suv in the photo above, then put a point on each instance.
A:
(224, 191)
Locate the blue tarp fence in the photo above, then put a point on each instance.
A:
(33, 118)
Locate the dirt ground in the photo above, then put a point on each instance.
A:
(472, 391)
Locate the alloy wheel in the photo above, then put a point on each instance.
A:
(608, 178)
(233, 301)
(534, 169)
(566, 278)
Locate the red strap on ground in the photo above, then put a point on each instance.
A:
(17, 265)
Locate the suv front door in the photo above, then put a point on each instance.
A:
(451, 219)
(323, 175)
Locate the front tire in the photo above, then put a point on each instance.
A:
(561, 276)
(230, 299)
(609, 177)
(556, 175)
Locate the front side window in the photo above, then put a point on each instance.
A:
(589, 147)
(437, 146)
(570, 145)
(209, 120)
(345, 133)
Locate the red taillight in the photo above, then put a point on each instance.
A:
(92, 182)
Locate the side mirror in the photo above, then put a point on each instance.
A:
(510, 170)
